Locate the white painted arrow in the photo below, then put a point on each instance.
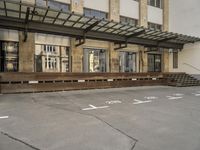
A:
(92, 107)
(4, 117)
(140, 102)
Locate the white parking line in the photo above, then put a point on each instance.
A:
(92, 107)
(196, 94)
(150, 97)
(178, 94)
(140, 102)
(4, 117)
(113, 102)
(173, 97)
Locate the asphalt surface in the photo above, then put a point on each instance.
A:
(141, 118)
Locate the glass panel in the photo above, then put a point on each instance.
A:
(23, 8)
(95, 13)
(94, 60)
(84, 19)
(157, 63)
(52, 13)
(58, 6)
(41, 3)
(23, 16)
(13, 14)
(2, 13)
(48, 20)
(127, 62)
(40, 11)
(151, 63)
(59, 22)
(12, 6)
(63, 16)
(154, 62)
(1, 4)
(9, 55)
(74, 18)
(68, 23)
(102, 29)
(78, 25)
(37, 18)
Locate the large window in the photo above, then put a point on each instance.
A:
(154, 62)
(155, 3)
(51, 58)
(95, 13)
(155, 26)
(127, 62)
(94, 60)
(53, 4)
(8, 56)
(175, 60)
(128, 20)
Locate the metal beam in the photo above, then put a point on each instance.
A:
(26, 24)
(91, 26)
(5, 8)
(18, 24)
(136, 34)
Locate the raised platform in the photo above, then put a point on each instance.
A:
(49, 82)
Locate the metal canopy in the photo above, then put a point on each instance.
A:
(32, 18)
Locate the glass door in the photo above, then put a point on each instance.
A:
(9, 56)
(127, 62)
(94, 60)
(154, 62)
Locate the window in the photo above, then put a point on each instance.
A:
(94, 60)
(52, 58)
(128, 20)
(53, 4)
(127, 62)
(49, 49)
(95, 13)
(175, 60)
(155, 3)
(9, 56)
(155, 26)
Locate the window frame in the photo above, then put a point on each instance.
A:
(95, 11)
(155, 3)
(175, 59)
(129, 18)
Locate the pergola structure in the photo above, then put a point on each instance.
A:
(32, 18)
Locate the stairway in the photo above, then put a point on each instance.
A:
(181, 80)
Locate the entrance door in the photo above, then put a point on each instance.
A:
(94, 60)
(154, 62)
(9, 57)
(127, 62)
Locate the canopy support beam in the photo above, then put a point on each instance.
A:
(26, 24)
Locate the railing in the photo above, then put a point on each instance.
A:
(197, 69)
(45, 82)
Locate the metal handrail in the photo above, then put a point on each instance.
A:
(192, 66)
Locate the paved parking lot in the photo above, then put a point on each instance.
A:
(141, 118)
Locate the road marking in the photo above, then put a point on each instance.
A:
(113, 102)
(141, 102)
(178, 94)
(150, 97)
(196, 94)
(92, 107)
(173, 97)
(4, 117)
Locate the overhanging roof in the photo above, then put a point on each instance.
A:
(22, 16)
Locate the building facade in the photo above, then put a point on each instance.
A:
(53, 53)
(182, 20)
